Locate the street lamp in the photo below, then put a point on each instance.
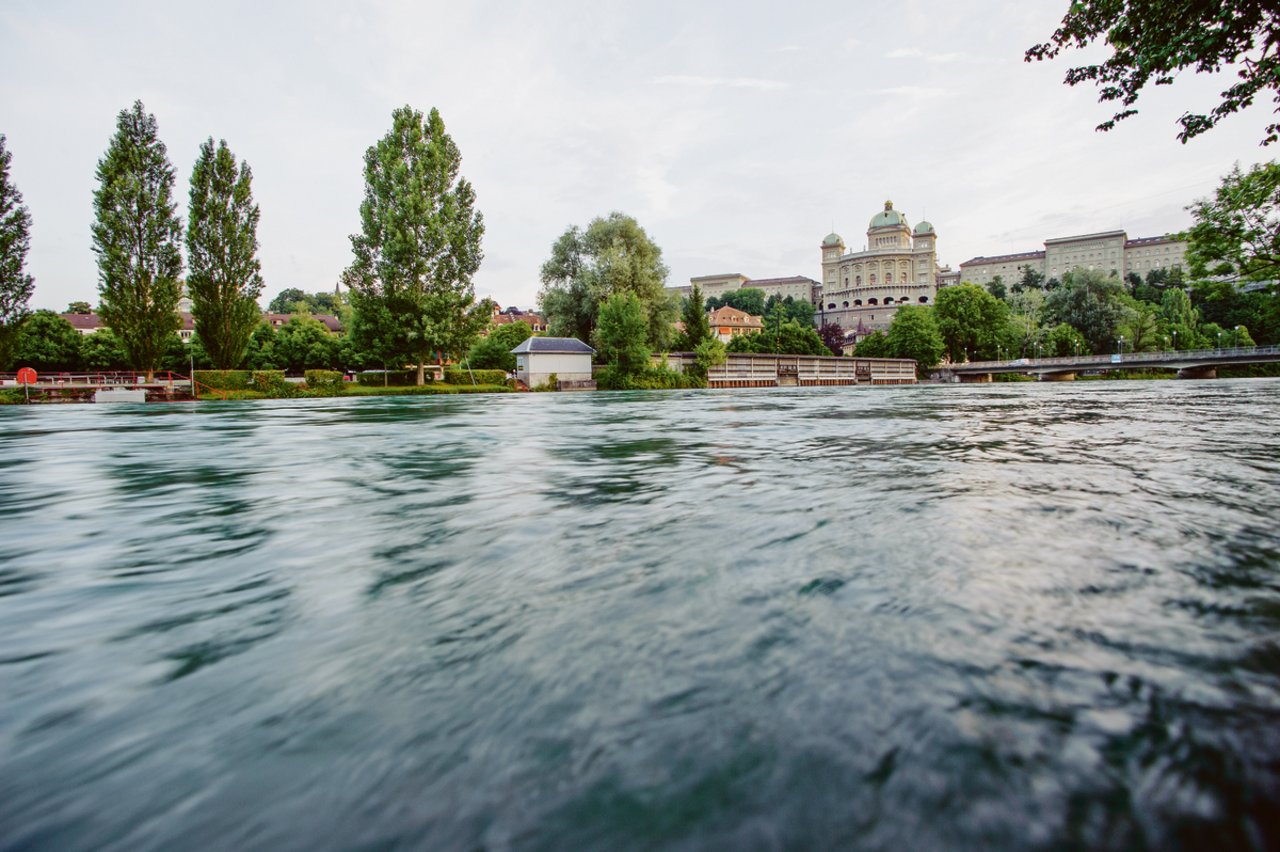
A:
(1120, 344)
(1239, 329)
(1219, 340)
(1175, 341)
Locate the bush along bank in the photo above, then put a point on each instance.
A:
(272, 384)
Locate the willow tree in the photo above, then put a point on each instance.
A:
(136, 236)
(225, 278)
(418, 247)
(15, 240)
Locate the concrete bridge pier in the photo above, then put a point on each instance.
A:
(1198, 373)
(1058, 377)
(974, 378)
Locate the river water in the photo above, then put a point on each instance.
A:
(1001, 616)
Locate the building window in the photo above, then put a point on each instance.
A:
(846, 304)
(924, 300)
(872, 302)
(857, 303)
(873, 280)
(858, 280)
(831, 307)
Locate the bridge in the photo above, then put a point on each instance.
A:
(1189, 364)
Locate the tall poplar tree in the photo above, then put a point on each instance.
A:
(136, 236)
(225, 277)
(16, 285)
(418, 247)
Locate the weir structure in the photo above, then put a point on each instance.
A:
(1189, 364)
(742, 370)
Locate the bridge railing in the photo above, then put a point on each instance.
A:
(95, 379)
(1086, 361)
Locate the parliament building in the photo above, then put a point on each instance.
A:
(898, 266)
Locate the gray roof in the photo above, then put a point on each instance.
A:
(554, 344)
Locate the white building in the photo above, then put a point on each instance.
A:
(899, 266)
(1111, 252)
(538, 358)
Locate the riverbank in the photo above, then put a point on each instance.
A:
(430, 389)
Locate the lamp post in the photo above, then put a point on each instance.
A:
(1239, 329)
(1175, 340)
(1219, 341)
(1120, 345)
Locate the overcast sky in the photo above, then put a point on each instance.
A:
(738, 134)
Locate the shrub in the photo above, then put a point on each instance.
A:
(272, 383)
(548, 385)
(393, 377)
(12, 397)
(324, 382)
(650, 378)
(224, 379)
(456, 376)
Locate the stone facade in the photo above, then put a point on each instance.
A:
(1112, 252)
(899, 266)
(797, 287)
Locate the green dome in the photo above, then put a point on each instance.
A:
(888, 217)
(832, 239)
(923, 228)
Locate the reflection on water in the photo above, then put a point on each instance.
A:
(982, 616)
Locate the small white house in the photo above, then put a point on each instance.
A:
(538, 357)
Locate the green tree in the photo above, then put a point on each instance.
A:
(711, 352)
(874, 345)
(48, 343)
(102, 350)
(286, 301)
(1092, 304)
(622, 334)
(1024, 329)
(971, 321)
(1152, 42)
(747, 299)
(16, 285)
(1063, 340)
(136, 237)
(225, 277)
(79, 307)
(1237, 232)
(261, 354)
(914, 334)
(613, 255)
(1031, 279)
(696, 326)
(996, 288)
(419, 245)
(493, 352)
(305, 344)
(791, 307)
(1141, 328)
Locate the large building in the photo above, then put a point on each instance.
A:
(1112, 252)
(898, 266)
(797, 287)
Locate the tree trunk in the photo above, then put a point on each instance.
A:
(421, 372)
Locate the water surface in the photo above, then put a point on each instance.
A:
(1003, 616)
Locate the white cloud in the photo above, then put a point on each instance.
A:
(721, 82)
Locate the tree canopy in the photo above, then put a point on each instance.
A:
(971, 321)
(914, 334)
(136, 237)
(747, 299)
(418, 248)
(612, 255)
(225, 277)
(1151, 41)
(1237, 232)
(1090, 302)
(696, 326)
(16, 285)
